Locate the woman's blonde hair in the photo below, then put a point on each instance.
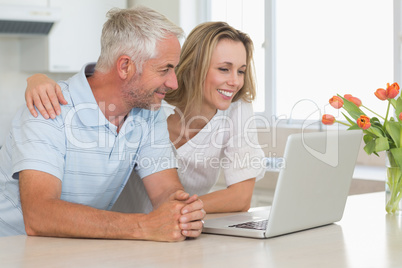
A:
(195, 60)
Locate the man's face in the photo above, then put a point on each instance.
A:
(146, 90)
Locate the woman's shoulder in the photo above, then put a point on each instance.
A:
(240, 106)
(167, 108)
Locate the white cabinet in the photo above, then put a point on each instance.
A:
(73, 41)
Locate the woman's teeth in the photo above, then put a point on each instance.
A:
(226, 93)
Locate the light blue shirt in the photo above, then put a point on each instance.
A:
(82, 149)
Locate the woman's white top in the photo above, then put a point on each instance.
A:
(228, 143)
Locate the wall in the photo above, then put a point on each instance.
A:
(13, 79)
(12, 82)
(171, 8)
(185, 13)
(24, 2)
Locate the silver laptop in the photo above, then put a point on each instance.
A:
(311, 191)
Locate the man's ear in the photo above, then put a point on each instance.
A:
(125, 67)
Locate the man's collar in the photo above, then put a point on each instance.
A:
(85, 104)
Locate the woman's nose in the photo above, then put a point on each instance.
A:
(234, 79)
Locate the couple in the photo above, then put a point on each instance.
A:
(74, 187)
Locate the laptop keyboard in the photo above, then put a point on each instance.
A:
(256, 225)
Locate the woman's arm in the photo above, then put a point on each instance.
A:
(45, 94)
(237, 197)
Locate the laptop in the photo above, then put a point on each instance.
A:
(311, 191)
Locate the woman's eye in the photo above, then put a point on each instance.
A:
(242, 72)
(223, 69)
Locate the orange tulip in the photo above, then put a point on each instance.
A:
(363, 122)
(355, 100)
(400, 116)
(336, 102)
(392, 90)
(381, 94)
(328, 119)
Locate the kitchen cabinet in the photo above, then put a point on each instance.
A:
(72, 42)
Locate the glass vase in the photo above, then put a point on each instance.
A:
(393, 186)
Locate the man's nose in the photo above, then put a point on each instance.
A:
(171, 82)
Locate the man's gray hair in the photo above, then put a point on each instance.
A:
(133, 32)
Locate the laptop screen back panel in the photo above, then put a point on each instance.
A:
(313, 187)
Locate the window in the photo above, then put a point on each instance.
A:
(329, 47)
(318, 48)
(247, 16)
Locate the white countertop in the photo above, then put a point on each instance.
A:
(365, 237)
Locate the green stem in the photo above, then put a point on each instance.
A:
(394, 182)
(340, 122)
(375, 112)
(386, 116)
(395, 188)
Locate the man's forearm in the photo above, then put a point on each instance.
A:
(45, 214)
(162, 185)
(63, 219)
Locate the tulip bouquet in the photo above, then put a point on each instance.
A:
(380, 134)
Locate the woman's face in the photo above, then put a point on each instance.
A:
(225, 76)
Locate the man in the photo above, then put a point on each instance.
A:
(61, 177)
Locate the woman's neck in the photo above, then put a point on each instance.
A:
(182, 127)
(199, 118)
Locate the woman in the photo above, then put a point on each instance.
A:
(211, 125)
